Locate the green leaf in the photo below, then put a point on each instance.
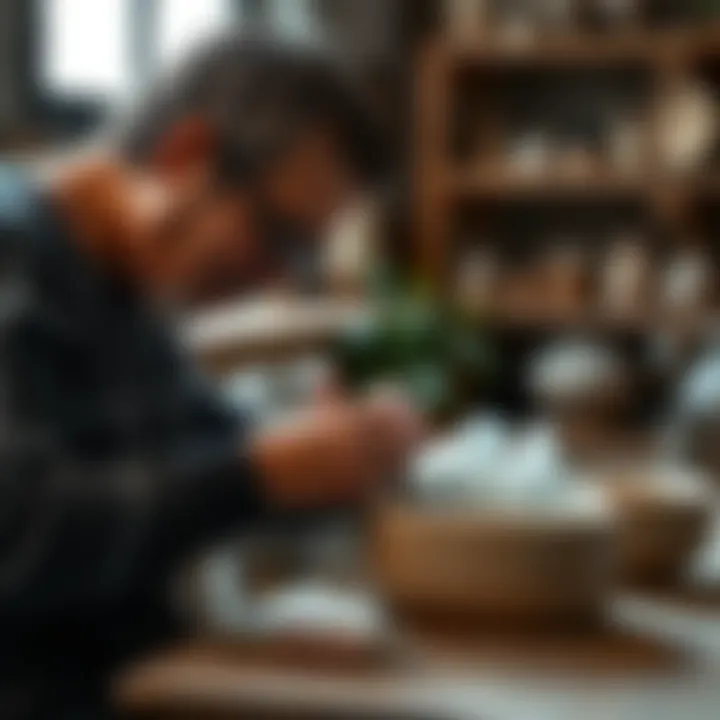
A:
(358, 352)
(431, 387)
(419, 341)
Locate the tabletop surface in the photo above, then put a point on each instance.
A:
(661, 660)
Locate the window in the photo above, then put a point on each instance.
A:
(84, 48)
(92, 55)
(102, 49)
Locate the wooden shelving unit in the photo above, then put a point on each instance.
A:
(666, 56)
(501, 184)
(647, 46)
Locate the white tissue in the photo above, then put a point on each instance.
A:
(482, 441)
(533, 473)
(315, 607)
(441, 471)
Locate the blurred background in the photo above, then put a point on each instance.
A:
(67, 66)
(555, 158)
(540, 274)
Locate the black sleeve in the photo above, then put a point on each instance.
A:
(80, 533)
(77, 531)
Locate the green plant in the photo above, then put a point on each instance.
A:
(413, 339)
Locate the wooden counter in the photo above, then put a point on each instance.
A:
(660, 660)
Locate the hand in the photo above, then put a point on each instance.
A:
(397, 427)
(337, 453)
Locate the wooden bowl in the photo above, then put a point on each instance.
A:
(502, 568)
(663, 517)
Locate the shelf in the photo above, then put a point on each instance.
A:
(622, 48)
(446, 184)
(501, 184)
(545, 52)
(692, 324)
(508, 185)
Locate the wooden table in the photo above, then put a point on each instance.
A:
(671, 673)
(663, 661)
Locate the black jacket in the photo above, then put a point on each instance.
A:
(116, 463)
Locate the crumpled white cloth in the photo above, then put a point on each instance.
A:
(485, 465)
(318, 608)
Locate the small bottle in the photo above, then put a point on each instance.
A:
(529, 155)
(688, 280)
(575, 162)
(687, 127)
(564, 274)
(625, 145)
(476, 280)
(350, 253)
(465, 19)
(625, 277)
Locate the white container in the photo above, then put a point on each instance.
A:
(529, 155)
(688, 127)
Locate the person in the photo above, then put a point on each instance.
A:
(117, 461)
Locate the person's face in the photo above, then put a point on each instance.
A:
(209, 240)
(308, 184)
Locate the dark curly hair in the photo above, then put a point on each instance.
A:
(258, 92)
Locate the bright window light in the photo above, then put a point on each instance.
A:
(85, 47)
(183, 23)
